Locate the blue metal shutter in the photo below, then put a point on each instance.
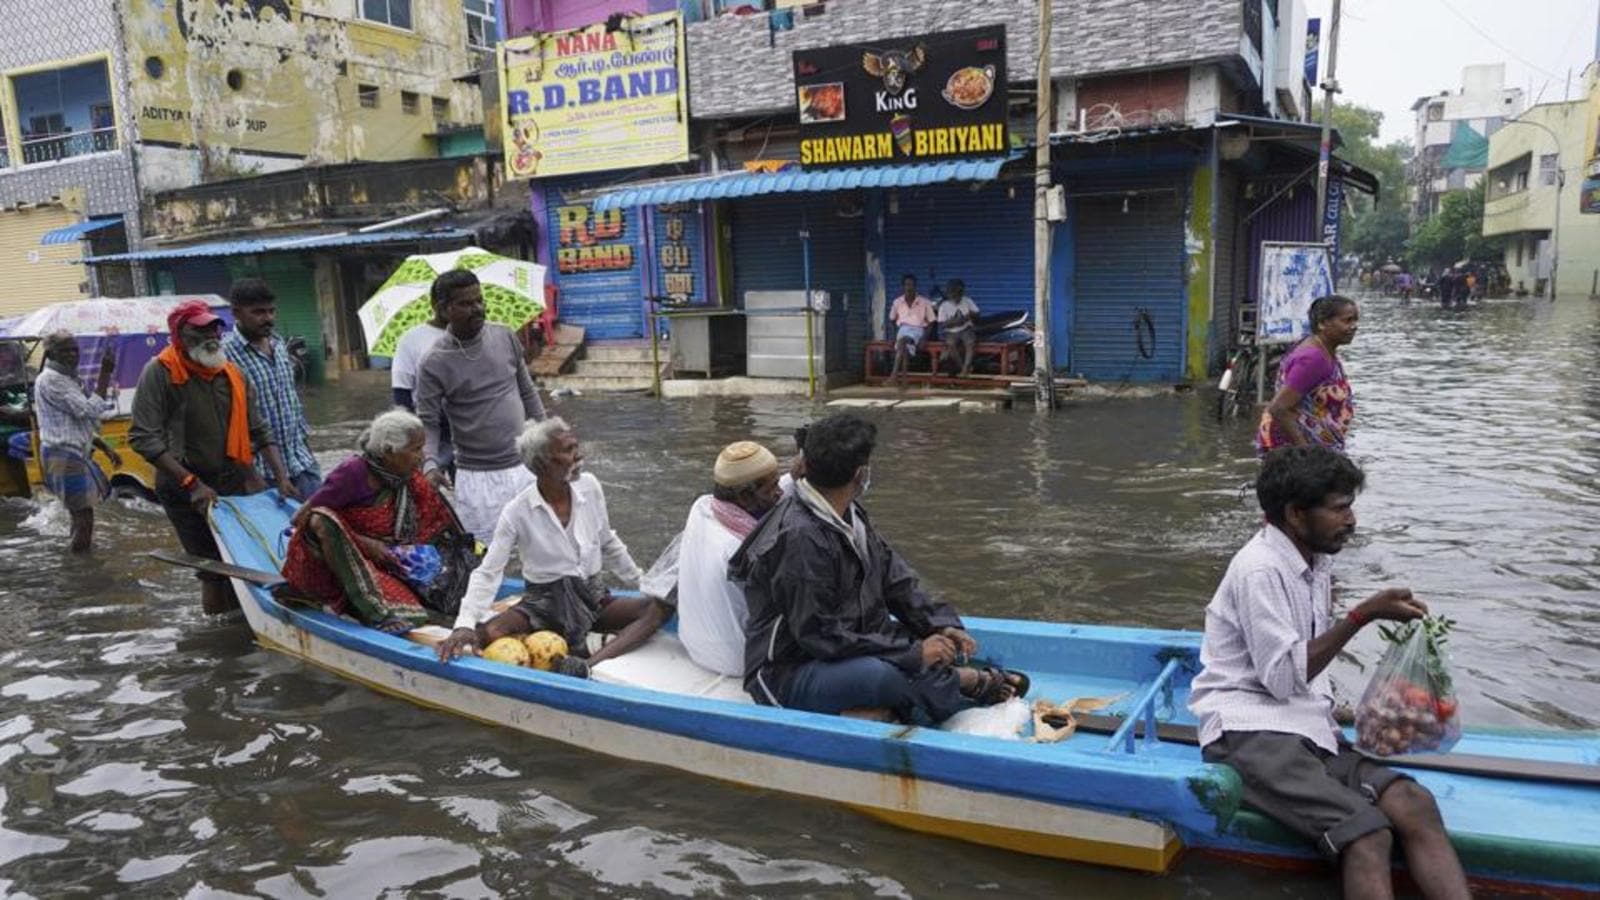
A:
(1130, 257)
(607, 302)
(767, 255)
(981, 233)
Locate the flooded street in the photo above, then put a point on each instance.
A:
(147, 750)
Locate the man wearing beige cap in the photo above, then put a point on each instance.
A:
(711, 609)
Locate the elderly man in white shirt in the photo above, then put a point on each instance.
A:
(562, 533)
(1262, 695)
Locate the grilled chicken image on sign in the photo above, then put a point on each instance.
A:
(895, 66)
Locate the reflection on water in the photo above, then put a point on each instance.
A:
(145, 749)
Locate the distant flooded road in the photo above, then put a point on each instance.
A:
(147, 750)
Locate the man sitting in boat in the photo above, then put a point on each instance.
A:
(837, 619)
(711, 609)
(1262, 697)
(561, 531)
(376, 541)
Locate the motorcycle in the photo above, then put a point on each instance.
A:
(298, 353)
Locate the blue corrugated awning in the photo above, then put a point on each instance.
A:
(284, 244)
(754, 184)
(76, 232)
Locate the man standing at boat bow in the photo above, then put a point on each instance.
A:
(1262, 697)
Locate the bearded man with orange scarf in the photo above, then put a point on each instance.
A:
(196, 421)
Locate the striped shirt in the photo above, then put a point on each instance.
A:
(1270, 605)
(69, 418)
(271, 378)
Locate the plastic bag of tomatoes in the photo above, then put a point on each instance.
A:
(1410, 705)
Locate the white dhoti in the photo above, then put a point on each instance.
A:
(482, 493)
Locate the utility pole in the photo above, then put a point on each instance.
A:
(1330, 86)
(1043, 360)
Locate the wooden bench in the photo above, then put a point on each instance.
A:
(1013, 357)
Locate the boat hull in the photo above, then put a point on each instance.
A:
(1135, 805)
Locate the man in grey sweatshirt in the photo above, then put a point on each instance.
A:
(474, 378)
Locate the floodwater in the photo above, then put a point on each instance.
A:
(147, 750)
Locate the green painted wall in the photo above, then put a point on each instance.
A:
(292, 278)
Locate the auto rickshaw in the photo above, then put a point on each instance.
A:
(133, 329)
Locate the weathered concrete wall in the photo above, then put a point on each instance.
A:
(738, 66)
(223, 90)
(358, 193)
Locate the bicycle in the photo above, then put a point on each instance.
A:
(1247, 367)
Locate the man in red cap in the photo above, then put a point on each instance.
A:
(195, 420)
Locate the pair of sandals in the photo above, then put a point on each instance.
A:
(993, 683)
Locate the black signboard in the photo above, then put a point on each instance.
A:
(904, 100)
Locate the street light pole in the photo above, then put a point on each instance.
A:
(1330, 86)
(1555, 226)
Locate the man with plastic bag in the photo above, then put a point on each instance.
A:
(1262, 696)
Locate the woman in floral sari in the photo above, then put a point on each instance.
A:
(1314, 403)
(377, 541)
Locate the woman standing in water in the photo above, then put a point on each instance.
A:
(1313, 403)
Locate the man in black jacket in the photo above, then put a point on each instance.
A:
(837, 619)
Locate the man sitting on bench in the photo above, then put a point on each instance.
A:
(1262, 698)
(911, 314)
(957, 315)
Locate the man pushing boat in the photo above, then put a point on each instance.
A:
(1262, 697)
(837, 620)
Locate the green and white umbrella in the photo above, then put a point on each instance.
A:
(513, 294)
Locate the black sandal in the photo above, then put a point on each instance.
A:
(993, 682)
(394, 625)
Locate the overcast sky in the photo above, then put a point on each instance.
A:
(1393, 51)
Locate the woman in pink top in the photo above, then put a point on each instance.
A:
(1314, 404)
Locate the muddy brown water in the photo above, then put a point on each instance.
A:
(145, 750)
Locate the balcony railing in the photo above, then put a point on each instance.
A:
(52, 147)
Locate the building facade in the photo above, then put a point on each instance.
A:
(1452, 132)
(104, 105)
(1543, 194)
(1179, 140)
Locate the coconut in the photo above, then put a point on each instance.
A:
(507, 650)
(545, 649)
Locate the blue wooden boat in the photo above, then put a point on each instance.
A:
(1133, 800)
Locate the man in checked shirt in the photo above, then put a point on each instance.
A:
(263, 358)
(1262, 696)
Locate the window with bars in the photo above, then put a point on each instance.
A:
(63, 113)
(389, 12)
(441, 109)
(483, 29)
(409, 103)
(367, 95)
(1548, 168)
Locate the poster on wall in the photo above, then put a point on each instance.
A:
(1589, 190)
(1313, 49)
(1292, 275)
(594, 99)
(903, 100)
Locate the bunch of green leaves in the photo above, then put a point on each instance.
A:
(1436, 632)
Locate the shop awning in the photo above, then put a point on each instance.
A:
(287, 243)
(76, 232)
(754, 184)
